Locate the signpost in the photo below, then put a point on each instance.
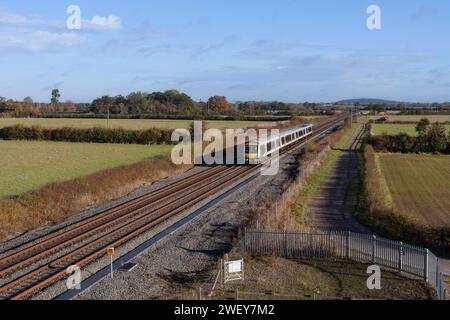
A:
(233, 270)
(111, 252)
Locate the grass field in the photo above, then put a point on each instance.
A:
(414, 118)
(393, 129)
(419, 186)
(130, 124)
(28, 165)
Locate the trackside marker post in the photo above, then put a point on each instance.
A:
(111, 253)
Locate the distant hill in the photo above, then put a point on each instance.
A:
(367, 101)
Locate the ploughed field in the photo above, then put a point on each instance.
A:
(27, 165)
(393, 129)
(419, 186)
(129, 124)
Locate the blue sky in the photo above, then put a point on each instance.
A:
(289, 50)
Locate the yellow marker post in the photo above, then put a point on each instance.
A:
(111, 252)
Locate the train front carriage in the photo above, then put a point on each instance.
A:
(256, 150)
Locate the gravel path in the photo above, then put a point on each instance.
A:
(331, 208)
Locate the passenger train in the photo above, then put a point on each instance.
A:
(257, 150)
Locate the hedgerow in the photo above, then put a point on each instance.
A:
(93, 135)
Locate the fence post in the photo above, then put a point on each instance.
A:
(245, 240)
(425, 269)
(374, 245)
(400, 257)
(348, 244)
(438, 275)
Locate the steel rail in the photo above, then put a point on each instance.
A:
(69, 238)
(151, 198)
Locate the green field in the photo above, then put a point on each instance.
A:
(393, 129)
(29, 165)
(419, 185)
(130, 124)
(414, 118)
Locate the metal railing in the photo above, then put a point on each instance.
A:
(359, 247)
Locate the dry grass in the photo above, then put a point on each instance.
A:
(55, 202)
(270, 278)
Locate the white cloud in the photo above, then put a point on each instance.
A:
(110, 22)
(38, 40)
(15, 19)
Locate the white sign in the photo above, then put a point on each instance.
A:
(234, 266)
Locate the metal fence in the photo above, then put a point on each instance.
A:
(360, 247)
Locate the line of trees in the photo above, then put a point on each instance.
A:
(167, 103)
(430, 139)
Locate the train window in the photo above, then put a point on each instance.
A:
(263, 149)
(283, 140)
(269, 147)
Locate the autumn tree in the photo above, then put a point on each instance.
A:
(218, 104)
(436, 138)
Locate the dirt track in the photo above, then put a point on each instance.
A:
(331, 208)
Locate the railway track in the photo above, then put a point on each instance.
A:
(82, 243)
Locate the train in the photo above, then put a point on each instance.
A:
(258, 150)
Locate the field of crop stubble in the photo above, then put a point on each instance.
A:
(419, 186)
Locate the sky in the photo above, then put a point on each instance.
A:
(287, 50)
